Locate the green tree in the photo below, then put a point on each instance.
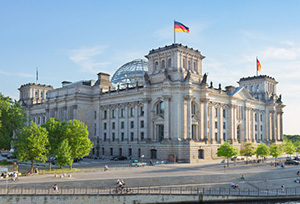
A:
(297, 146)
(78, 138)
(63, 154)
(289, 148)
(248, 150)
(56, 133)
(262, 150)
(228, 151)
(12, 119)
(31, 144)
(276, 150)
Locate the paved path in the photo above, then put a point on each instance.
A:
(208, 174)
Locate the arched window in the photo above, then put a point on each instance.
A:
(169, 62)
(160, 108)
(252, 89)
(189, 65)
(153, 153)
(257, 88)
(184, 63)
(195, 67)
(156, 65)
(200, 154)
(163, 64)
(194, 108)
(36, 94)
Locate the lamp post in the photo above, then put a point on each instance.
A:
(142, 156)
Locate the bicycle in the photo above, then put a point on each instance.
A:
(16, 180)
(122, 190)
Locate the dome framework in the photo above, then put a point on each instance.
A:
(130, 73)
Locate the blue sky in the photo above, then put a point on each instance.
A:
(75, 40)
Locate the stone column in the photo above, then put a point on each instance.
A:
(205, 119)
(281, 127)
(274, 126)
(212, 124)
(136, 122)
(167, 117)
(118, 136)
(108, 125)
(188, 118)
(221, 125)
(126, 131)
(146, 119)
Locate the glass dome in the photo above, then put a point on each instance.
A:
(130, 73)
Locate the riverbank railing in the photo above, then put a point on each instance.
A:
(151, 191)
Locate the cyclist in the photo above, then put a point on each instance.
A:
(15, 176)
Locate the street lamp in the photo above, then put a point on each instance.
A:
(142, 156)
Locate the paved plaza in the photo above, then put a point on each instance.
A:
(207, 174)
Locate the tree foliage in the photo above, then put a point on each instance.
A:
(56, 133)
(276, 150)
(31, 144)
(63, 154)
(262, 150)
(289, 148)
(228, 151)
(12, 119)
(297, 146)
(77, 136)
(248, 150)
(293, 138)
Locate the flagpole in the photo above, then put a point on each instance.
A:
(174, 33)
(256, 67)
(37, 75)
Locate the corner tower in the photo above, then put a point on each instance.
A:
(176, 62)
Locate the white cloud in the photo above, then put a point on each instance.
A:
(20, 74)
(280, 53)
(86, 59)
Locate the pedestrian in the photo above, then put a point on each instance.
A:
(282, 187)
(298, 173)
(105, 167)
(55, 188)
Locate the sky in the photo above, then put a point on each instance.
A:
(75, 40)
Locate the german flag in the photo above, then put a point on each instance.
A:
(179, 27)
(258, 65)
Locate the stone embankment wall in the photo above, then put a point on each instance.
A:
(129, 199)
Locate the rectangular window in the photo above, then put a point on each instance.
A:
(95, 115)
(104, 136)
(129, 152)
(261, 117)
(131, 112)
(261, 128)
(255, 127)
(224, 113)
(216, 136)
(122, 125)
(224, 125)
(103, 150)
(142, 136)
(131, 136)
(216, 125)
(111, 151)
(113, 136)
(104, 126)
(255, 117)
(142, 124)
(216, 112)
(131, 124)
(139, 152)
(122, 136)
(142, 110)
(113, 113)
(113, 125)
(122, 113)
(105, 114)
(224, 136)
(95, 128)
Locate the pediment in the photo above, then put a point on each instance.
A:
(158, 118)
(242, 94)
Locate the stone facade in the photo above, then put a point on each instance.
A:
(175, 116)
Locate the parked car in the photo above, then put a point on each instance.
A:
(291, 162)
(4, 154)
(120, 158)
(136, 163)
(77, 159)
(11, 156)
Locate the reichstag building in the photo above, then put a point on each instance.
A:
(163, 108)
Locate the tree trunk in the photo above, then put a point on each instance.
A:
(31, 169)
(49, 164)
(227, 162)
